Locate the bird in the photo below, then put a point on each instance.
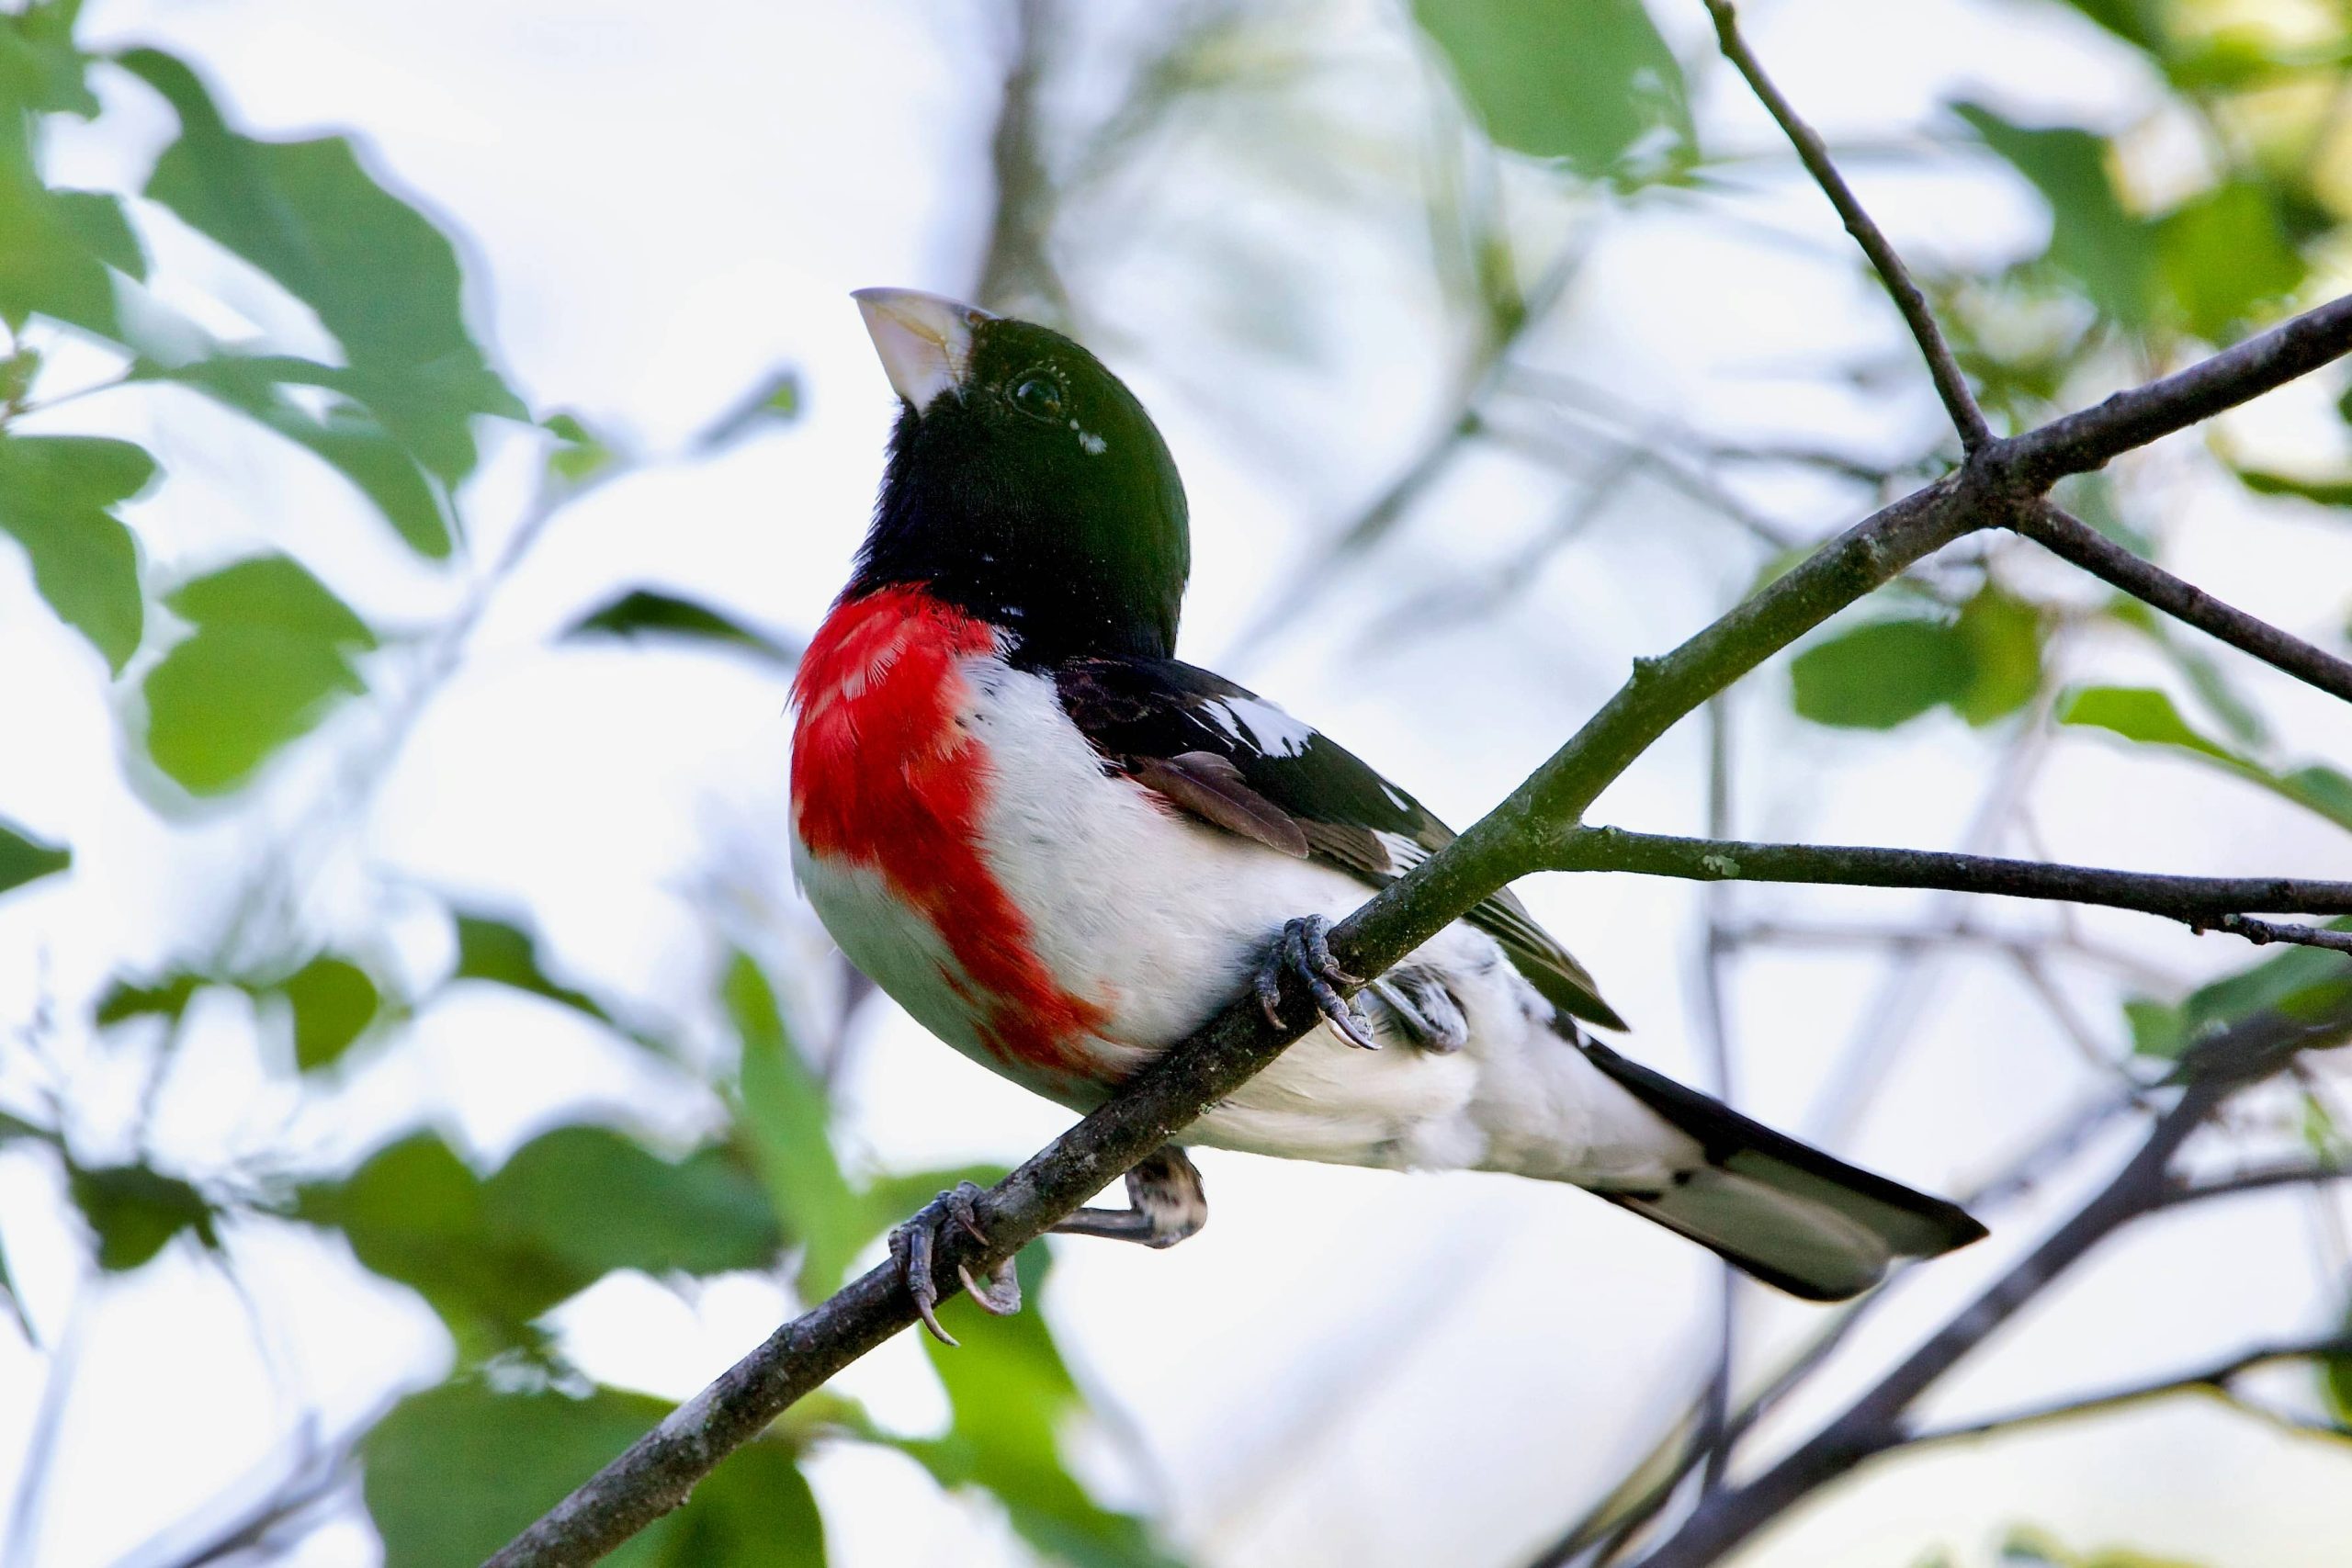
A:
(1061, 849)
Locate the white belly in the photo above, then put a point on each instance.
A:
(1160, 920)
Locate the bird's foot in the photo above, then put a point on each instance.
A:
(1304, 950)
(1165, 1204)
(915, 1244)
(1419, 1004)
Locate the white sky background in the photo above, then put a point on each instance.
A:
(663, 204)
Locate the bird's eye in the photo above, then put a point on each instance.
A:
(1039, 397)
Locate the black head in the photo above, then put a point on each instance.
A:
(1025, 484)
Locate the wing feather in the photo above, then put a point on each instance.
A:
(1237, 762)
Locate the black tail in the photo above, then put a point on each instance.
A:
(1784, 1211)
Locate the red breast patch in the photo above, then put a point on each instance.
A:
(886, 777)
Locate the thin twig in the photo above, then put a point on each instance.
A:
(2264, 933)
(2200, 900)
(1954, 933)
(2214, 1379)
(2257, 1179)
(2066, 536)
(1714, 1036)
(1951, 385)
(660, 1470)
(2078, 442)
(1872, 1424)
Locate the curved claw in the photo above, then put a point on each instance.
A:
(1305, 950)
(914, 1246)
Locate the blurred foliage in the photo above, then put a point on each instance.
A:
(2299, 983)
(243, 661)
(24, 857)
(2036, 1549)
(1589, 83)
(648, 614)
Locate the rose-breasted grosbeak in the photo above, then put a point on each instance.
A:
(1062, 850)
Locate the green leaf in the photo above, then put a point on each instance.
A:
(2204, 674)
(581, 454)
(1880, 673)
(271, 655)
(783, 1115)
(10, 1304)
(2141, 713)
(2093, 240)
(2227, 261)
(774, 401)
(350, 435)
(755, 1511)
(2139, 22)
(413, 1211)
(1589, 81)
(167, 999)
(380, 277)
(47, 265)
(454, 1473)
(2003, 636)
(597, 1201)
(1011, 1396)
(2324, 789)
(2027, 1548)
(41, 71)
(644, 613)
(506, 954)
(2157, 1030)
(2322, 492)
(133, 1210)
(2301, 984)
(570, 1206)
(2335, 1383)
(55, 496)
(97, 219)
(24, 858)
(334, 1002)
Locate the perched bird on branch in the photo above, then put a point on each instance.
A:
(1062, 850)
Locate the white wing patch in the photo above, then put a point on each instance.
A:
(1259, 724)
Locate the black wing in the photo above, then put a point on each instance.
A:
(1236, 761)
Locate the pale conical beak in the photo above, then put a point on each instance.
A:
(925, 341)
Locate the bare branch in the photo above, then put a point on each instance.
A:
(2257, 1179)
(2214, 1379)
(1525, 833)
(1871, 1425)
(2078, 542)
(2264, 933)
(2096, 436)
(1951, 385)
(657, 1472)
(2200, 900)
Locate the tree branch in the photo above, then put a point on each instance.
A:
(1524, 833)
(2259, 1178)
(2063, 534)
(2216, 901)
(2078, 442)
(2264, 933)
(1872, 1424)
(657, 1472)
(1951, 385)
(2213, 1379)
